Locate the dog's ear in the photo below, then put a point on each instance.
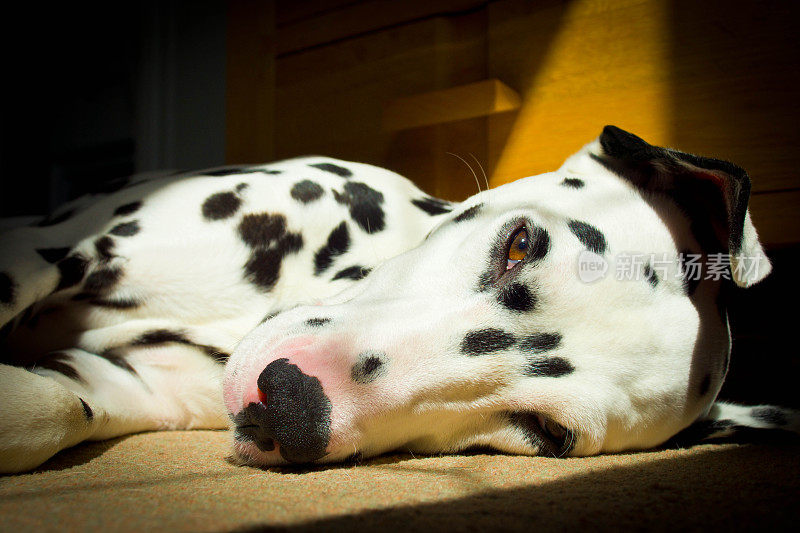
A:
(713, 193)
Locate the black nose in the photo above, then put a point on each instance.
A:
(296, 414)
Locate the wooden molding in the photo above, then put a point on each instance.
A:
(479, 99)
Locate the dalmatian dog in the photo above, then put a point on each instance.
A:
(328, 310)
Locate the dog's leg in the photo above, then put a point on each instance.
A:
(727, 422)
(72, 396)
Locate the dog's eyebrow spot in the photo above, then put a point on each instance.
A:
(317, 322)
(368, 367)
(517, 297)
(306, 191)
(650, 275)
(551, 367)
(591, 237)
(221, 205)
(432, 206)
(770, 415)
(469, 213)
(574, 183)
(333, 169)
(487, 340)
(126, 229)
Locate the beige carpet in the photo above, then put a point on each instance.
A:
(182, 481)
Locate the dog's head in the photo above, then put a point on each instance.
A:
(574, 312)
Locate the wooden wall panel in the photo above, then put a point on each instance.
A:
(577, 66)
(331, 99)
(250, 82)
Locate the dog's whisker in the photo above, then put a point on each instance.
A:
(478, 183)
(485, 177)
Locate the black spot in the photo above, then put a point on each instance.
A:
(705, 384)
(163, 336)
(53, 255)
(87, 411)
(517, 297)
(224, 171)
(242, 186)
(71, 270)
(126, 229)
(221, 205)
(291, 243)
(116, 357)
(575, 183)
(369, 366)
(354, 272)
(650, 275)
(127, 209)
(160, 336)
(690, 276)
(552, 367)
(116, 303)
(364, 203)
(262, 229)
(487, 340)
(270, 316)
(770, 415)
(338, 243)
(52, 220)
(317, 322)
(60, 362)
(272, 171)
(433, 206)
(306, 191)
(263, 267)
(469, 213)
(102, 279)
(539, 244)
(104, 247)
(540, 342)
(589, 236)
(7, 287)
(334, 169)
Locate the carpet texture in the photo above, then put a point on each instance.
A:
(182, 481)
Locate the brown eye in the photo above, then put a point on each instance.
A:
(518, 248)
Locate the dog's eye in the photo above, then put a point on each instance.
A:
(517, 249)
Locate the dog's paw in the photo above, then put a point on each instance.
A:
(38, 418)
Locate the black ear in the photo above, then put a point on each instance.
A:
(713, 193)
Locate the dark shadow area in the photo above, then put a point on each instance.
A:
(737, 488)
(765, 363)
